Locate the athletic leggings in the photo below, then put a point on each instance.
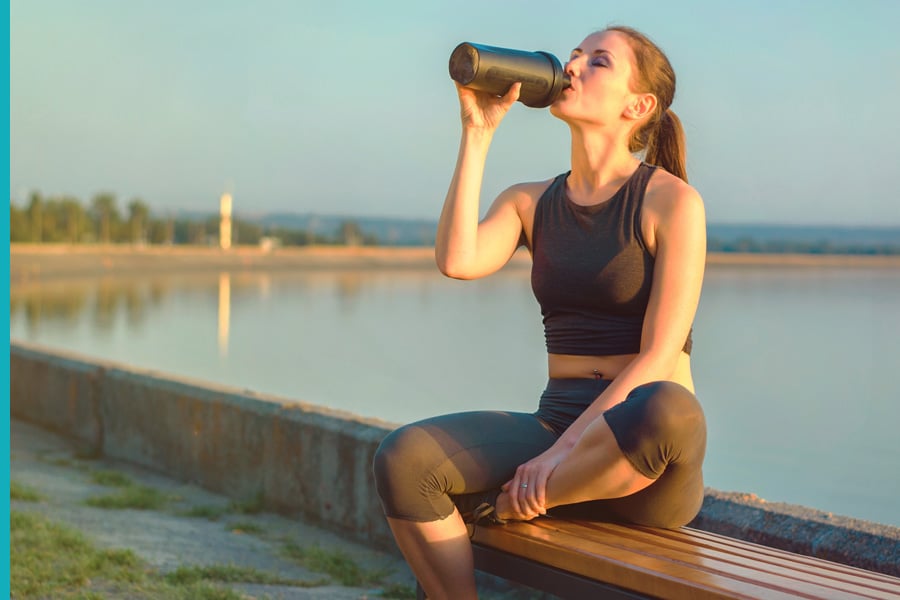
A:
(422, 468)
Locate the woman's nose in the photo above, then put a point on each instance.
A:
(571, 67)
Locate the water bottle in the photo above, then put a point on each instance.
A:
(494, 70)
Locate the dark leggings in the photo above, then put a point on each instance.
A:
(420, 468)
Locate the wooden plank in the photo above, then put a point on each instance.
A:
(623, 567)
(715, 538)
(780, 562)
(646, 565)
(784, 569)
(805, 564)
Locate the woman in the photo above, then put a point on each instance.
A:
(619, 248)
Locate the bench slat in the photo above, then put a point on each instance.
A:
(637, 559)
(767, 560)
(619, 566)
(698, 536)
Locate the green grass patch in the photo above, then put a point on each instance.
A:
(50, 560)
(111, 478)
(251, 506)
(234, 574)
(136, 496)
(245, 527)
(337, 564)
(20, 491)
(53, 561)
(206, 511)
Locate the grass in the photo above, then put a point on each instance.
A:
(20, 491)
(111, 479)
(134, 496)
(129, 494)
(50, 559)
(337, 564)
(205, 511)
(54, 561)
(234, 574)
(252, 506)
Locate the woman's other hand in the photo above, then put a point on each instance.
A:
(480, 110)
(526, 493)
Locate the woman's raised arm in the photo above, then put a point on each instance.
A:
(465, 248)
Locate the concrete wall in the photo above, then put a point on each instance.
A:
(296, 457)
(304, 459)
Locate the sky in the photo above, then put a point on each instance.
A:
(791, 107)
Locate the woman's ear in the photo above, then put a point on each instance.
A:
(641, 106)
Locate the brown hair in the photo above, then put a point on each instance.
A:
(661, 136)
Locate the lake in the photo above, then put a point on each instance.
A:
(796, 367)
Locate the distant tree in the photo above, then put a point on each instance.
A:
(73, 219)
(244, 232)
(52, 221)
(138, 214)
(290, 237)
(349, 233)
(19, 231)
(159, 231)
(35, 216)
(105, 215)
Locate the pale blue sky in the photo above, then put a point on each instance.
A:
(791, 107)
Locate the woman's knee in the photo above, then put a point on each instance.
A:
(394, 460)
(657, 424)
(405, 477)
(667, 408)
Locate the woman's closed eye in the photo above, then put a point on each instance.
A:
(600, 61)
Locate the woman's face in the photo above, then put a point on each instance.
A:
(601, 70)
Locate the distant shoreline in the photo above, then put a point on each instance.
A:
(40, 262)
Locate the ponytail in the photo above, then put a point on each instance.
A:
(661, 136)
(666, 146)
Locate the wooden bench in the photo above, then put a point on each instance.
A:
(582, 560)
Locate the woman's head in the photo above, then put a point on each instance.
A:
(661, 134)
(636, 83)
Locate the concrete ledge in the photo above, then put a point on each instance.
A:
(803, 530)
(299, 458)
(57, 391)
(295, 457)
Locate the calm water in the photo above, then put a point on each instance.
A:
(796, 367)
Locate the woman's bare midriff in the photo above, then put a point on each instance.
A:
(570, 366)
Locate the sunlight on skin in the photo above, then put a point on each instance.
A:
(440, 554)
(595, 469)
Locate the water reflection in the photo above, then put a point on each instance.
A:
(64, 306)
(105, 300)
(224, 312)
(131, 302)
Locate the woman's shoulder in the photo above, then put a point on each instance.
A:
(667, 194)
(529, 192)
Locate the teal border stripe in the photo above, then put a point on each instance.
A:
(4, 311)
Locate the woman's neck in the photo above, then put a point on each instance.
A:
(599, 161)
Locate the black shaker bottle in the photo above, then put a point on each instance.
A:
(494, 70)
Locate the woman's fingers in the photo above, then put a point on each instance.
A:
(480, 109)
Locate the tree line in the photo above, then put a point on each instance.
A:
(64, 219)
(753, 246)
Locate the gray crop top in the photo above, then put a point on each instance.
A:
(592, 272)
